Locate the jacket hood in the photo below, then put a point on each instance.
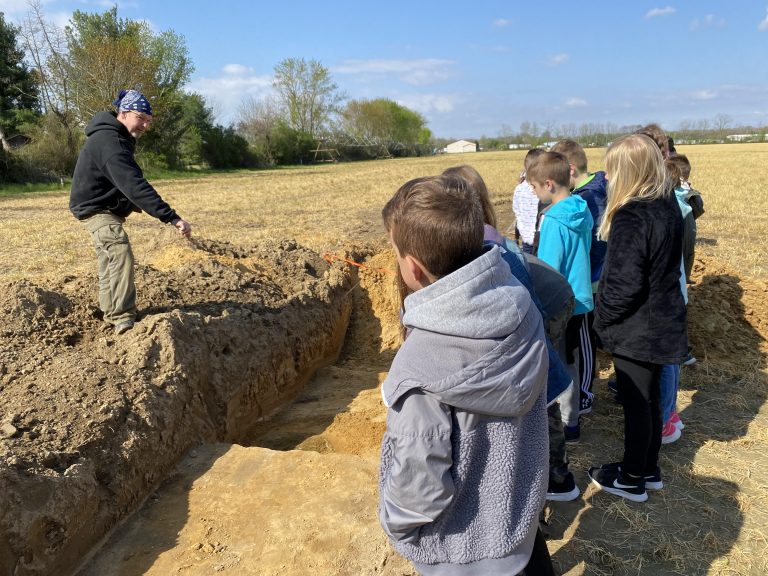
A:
(480, 300)
(476, 342)
(597, 185)
(106, 121)
(573, 213)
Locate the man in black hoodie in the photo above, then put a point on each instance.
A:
(106, 187)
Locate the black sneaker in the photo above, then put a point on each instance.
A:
(614, 481)
(652, 481)
(613, 387)
(585, 404)
(572, 433)
(564, 491)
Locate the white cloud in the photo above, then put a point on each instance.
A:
(575, 103)
(237, 69)
(416, 72)
(763, 26)
(14, 9)
(655, 12)
(429, 103)
(706, 94)
(708, 21)
(558, 59)
(502, 22)
(228, 90)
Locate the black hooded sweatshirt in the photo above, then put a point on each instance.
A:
(107, 178)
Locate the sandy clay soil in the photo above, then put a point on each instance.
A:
(236, 429)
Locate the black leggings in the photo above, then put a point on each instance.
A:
(540, 563)
(638, 384)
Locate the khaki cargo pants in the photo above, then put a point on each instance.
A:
(117, 292)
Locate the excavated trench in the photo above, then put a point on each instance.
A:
(91, 424)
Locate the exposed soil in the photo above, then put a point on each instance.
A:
(92, 424)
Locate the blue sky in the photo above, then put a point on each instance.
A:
(472, 67)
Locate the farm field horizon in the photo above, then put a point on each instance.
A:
(267, 232)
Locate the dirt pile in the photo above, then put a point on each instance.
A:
(90, 423)
(728, 317)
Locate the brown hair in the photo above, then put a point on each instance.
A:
(655, 133)
(673, 172)
(681, 161)
(438, 220)
(477, 184)
(574, 152)
(551, 166)
(530, 158)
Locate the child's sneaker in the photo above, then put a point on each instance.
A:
(675, 419)
(572, 433)
(614, 481)
(564, 491)
(613, 387)
(670, 433)
(585, 406)
(690, 359)
(652, 481)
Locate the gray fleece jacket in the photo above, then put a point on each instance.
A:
(465, 456)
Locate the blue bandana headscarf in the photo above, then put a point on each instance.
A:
(132, 100)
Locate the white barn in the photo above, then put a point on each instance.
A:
(461, 146)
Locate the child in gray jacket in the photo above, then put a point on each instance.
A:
(464, 460)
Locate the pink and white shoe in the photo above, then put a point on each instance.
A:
(670, 433)
(675, 419)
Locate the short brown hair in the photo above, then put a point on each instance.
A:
(551, 166)
(681, 160)
(574, 152)
(673, 172)
(438, 220)
(530, 158)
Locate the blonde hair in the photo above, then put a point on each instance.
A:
(635, 169)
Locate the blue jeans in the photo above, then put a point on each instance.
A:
(670, 382)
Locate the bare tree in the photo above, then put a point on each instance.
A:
(307, 94)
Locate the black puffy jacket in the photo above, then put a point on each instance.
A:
(640, 312)
(107, 177)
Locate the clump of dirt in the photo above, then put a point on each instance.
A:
(90, 423)
(727, 317)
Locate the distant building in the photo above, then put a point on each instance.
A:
(461, 146)
(518, 146)
(747, 137)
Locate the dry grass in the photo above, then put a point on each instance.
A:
(712, 517)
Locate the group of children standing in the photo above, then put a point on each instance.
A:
(495, 334)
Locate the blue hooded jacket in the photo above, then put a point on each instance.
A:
(564, 242)
(594, 192)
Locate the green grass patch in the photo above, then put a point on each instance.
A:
(17, 189)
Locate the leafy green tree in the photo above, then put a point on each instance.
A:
(224, 148)
(107, 53)
(18, 86)
(385, 121)
(307, 95)
(83, 67)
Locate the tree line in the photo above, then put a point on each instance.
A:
(718, 130)
(53, 80)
